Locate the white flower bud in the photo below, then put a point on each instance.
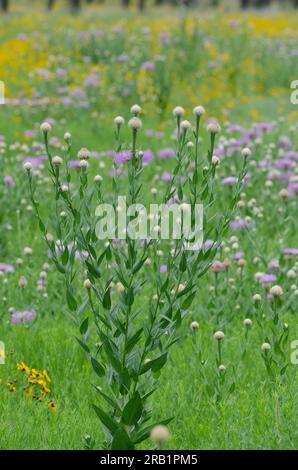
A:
(135, 123)
(97, 179)
(57, 161)
(215, 160)
(135, 109)
(159, 434)
(87, 284)
(276, 291)
(178, 111)
(213, 128)
(84, 154)
(265, 347)
(119, 120)
(84, 164)
(45, 127)
(27, 166)
(185, 125)
(246, 152)
(219, 335)
(199, 111)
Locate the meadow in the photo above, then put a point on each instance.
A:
(213, 332)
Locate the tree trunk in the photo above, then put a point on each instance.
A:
(141, 5)
(50, 4)
(125, 3)
(75, 5)
(244, 4)
(4, 5)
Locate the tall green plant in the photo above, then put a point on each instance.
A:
(133, 339)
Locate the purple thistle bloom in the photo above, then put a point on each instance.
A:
(290, 251)
(229, 181)
(285, 143)
(23, 317)
(74, 164)
(122, 157)
(293, 187)
(163, 268)
(148, 65)
(8, 181)
(147, 156)
(167, 153)
(6, 268)
(238, 255)
(285, 164)
(267, 278)
(166, 176)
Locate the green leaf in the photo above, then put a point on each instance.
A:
(133, 340)
(129, 297)
(188, 301)
(83, 345)
(156, 364)
(106, 420)
(106, 301)
(109, 400)
(65, 256)
(97, 367)
(133, 410)
(84, 326)
(121, 440)
(93, 270)
(71, 301)
(183, 263)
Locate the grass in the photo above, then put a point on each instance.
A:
(241, 408)
(246, 420)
